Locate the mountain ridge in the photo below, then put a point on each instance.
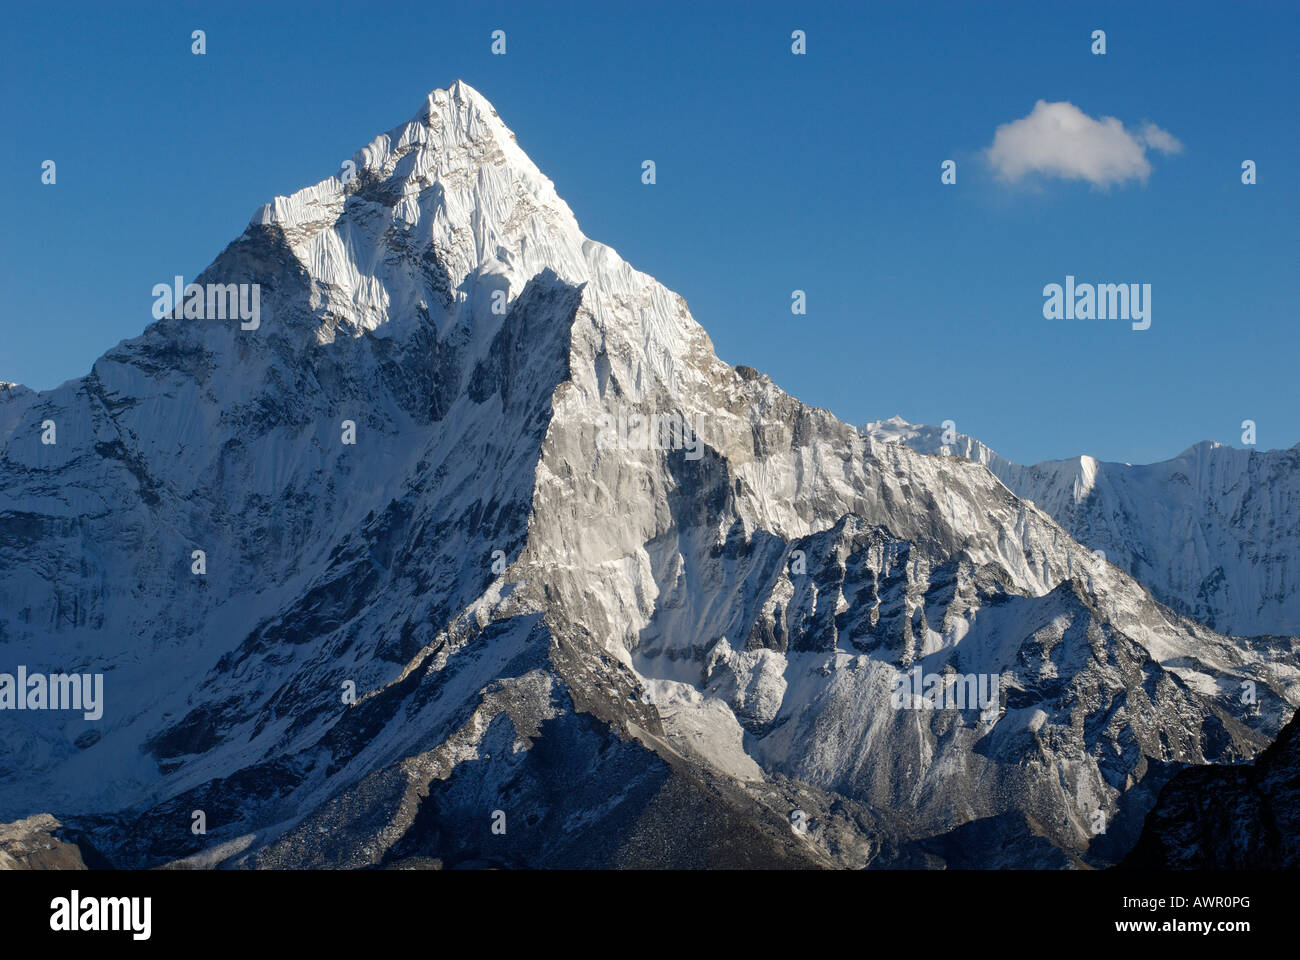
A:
(1206, 495)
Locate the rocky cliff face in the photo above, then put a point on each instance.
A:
(32, 844)
(603, 599)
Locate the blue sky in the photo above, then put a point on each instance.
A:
(775, 172)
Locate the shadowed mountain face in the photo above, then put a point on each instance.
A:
(1245, 817)
(579, 593)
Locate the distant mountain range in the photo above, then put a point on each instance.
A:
(1213, 532)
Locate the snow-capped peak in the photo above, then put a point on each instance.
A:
(453, 135)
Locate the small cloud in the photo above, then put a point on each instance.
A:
(1060, 140)
(1161, 140)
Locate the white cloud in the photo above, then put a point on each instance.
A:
(1161, 140)
(1060, 140)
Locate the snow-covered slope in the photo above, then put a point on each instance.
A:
(636, 648)
(1213, 532)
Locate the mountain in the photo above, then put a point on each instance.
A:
(1210, 532)
(1243, 817)
(31, 844)
(579, 593)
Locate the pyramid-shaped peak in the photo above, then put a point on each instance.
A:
(456, 130)
(458, 96)
(462, 91)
